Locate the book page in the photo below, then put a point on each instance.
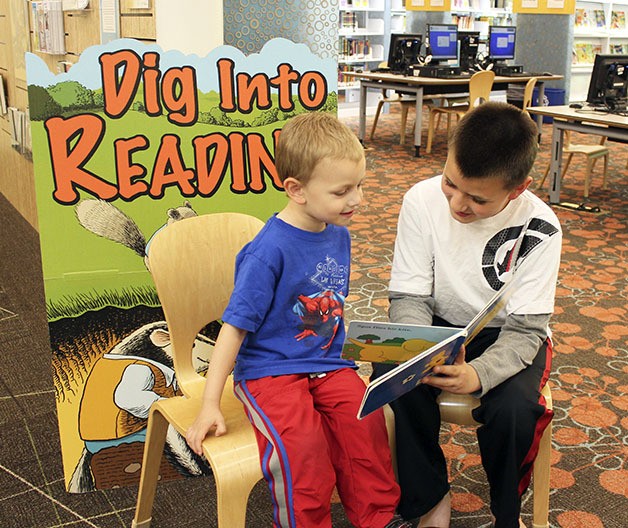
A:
(391, 342)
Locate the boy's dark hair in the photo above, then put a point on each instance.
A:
(495, 140)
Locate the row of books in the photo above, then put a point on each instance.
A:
(348, 20)
(480, 5)
(354, 48)
(48, 28)
(343, 81)
(591, 19)
(584, 52)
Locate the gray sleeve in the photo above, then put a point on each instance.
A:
(516, 347)
(410, 309)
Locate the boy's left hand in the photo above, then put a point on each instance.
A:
(459, 378)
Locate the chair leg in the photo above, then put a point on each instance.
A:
(547, 169)
(564, 171)
(153, 451)
(604, 186)
(587, 176)
(430, 131)
(232, 492)
(376, 118)
(404, 121)
(541, 480)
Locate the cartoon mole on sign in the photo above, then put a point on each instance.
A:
(116, 401)
(106, 220)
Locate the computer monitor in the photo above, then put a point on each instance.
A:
(403, 51)
(609, 82)
(443, 40)
(501, 43)
(468, 51)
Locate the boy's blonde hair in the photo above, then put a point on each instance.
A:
(307, 139)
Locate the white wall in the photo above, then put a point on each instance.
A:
(190, 26)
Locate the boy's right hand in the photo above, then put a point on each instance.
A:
(204, 423)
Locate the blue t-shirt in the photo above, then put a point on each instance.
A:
(290, 288)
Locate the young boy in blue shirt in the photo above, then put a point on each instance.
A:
(284, 330)
(453, 250)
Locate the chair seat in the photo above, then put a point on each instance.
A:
(457, 409)
(589, 150)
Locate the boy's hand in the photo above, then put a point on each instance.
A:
(204, 423)
(459, 378)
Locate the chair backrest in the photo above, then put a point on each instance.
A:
(192, 263)
(480, 86)
(527, 94)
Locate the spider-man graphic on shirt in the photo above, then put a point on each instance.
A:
(320, 314)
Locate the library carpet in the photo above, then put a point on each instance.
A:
(589, 452)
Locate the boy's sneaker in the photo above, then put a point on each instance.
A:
(398, 522)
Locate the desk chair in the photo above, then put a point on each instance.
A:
(406, 102)
(528, 92)
(480, 86)
(456, 409)
(592, 152)
(192, 263)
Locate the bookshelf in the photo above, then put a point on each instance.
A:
(599, 27)
(478, 15)
(361, 40)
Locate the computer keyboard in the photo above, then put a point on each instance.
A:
(526, 74)
(454, 76)
(517, 74)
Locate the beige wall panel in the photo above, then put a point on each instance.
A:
(126, 8)
(21, 97)
(138, 27)
(5, 34)
(17, 183)
(82, 30)
(5, 56)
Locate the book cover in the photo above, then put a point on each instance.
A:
(618, 19)
(418, 349)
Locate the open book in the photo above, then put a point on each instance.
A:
(416, 349)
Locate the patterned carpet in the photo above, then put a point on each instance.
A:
(589, 476)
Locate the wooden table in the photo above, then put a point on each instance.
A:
(586, 121)
(422, 86)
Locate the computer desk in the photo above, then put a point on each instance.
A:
(586, 121)
(428, 86)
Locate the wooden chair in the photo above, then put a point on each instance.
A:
(456, 409)
(480, 86)
(406, 102)
(528, 92)
(592, 152)
(192, 263)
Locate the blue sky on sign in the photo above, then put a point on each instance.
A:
(276, 51)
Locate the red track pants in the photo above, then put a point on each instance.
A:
(310, 440)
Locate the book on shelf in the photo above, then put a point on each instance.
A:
(600, 18)
(417, 349)
(585, 52)
(618, 19)
(582, 18)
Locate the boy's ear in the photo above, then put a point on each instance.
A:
(294, 190)
(520, 188)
